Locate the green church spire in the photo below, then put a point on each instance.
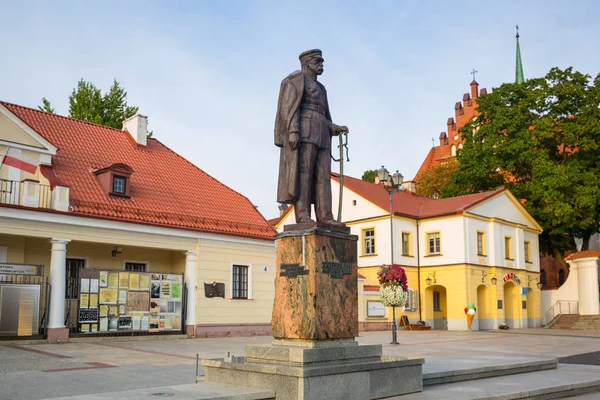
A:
(519, 67)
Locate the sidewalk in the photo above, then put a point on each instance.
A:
(60, 370)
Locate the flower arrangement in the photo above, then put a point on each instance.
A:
(503, 326)
(394, 285)
(392, 275)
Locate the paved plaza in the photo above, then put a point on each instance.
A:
(42, 371)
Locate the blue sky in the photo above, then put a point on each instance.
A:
(207, 73)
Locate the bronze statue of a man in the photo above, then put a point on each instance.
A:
(303, 130)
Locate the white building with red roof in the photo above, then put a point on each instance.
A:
(480, 248)
(106, 231)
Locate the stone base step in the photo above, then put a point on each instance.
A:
(565, 381)
(199, 391)
(470, 368)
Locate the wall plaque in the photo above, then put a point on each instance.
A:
(336, 269)
(214, 290)
(292, 270)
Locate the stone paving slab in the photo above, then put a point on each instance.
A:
(152, 363)
(199, 391)
(522, 386)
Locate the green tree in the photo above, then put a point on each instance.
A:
(88, 104)
(369, 175)
(46, 106)
(540, 139)
(433, 181)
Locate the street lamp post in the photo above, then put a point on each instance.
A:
(395, 184)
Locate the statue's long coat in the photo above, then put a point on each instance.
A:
(288, 114)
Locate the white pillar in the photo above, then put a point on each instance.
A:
(58, 273)
(191, 259)
(587, 285)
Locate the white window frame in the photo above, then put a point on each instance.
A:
(412, 301)
(250, 276)
(371, 240)
(430, 236)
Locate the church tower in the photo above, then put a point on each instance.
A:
(519, 67)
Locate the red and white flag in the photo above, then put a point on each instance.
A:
(16, 159)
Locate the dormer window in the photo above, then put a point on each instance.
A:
(119, 184)
(115, 180)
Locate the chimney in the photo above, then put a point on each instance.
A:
(483, 92)
(137, 126)
(474, 89)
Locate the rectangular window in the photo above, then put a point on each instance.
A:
(406, 243)
(481, 243)
(508, 247)
(73, 267)
(369, 241)
(499, 304)
(412, 302)
(119, 184)
(239, 282)
(135, 267)
(527, 252)
(433, 240)
(436, 301)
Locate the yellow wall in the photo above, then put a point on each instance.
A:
(458, 285)
(214, 264)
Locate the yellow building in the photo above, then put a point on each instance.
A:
(481, 248)
(106, 231)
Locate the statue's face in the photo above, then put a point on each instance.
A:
(316, 65)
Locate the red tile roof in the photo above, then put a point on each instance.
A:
(361, 276)
(406, 203)
(371, 288)
(583, 254)
(436, 155)
(165, 188)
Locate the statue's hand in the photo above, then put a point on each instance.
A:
(294, 139)
(341, 129)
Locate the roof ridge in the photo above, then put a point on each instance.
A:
(60, 116)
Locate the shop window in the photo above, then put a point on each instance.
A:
(508, 253)
(436, 301)
(135, 267)
(406, 243)
(543, 278)
(480, 243)
(527, 251)
(368, 241)
(73, 266)
(434, 243)
(239, 282)
(561, 277)
(412, 301)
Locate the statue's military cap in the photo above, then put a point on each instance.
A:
(311, 54)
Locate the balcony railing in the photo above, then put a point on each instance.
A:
(31, 193)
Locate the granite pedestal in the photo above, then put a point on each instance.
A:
(315, 320)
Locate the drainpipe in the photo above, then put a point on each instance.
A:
(419, 265)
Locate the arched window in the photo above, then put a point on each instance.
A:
(453, 149)
(561, 277)
(543, 278)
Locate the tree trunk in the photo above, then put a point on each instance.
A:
(586, 243)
